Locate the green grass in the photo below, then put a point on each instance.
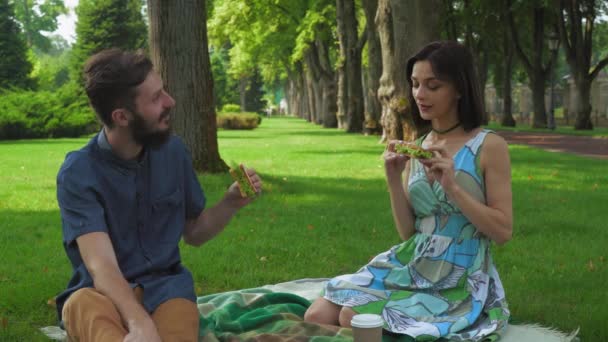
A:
(597, 132)
(324, 211)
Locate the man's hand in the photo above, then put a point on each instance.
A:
(144, 331)
(233, 195)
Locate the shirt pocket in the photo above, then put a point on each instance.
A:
(167, 221)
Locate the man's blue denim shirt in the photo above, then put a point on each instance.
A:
(141, 204)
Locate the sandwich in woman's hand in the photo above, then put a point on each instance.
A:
(246, 187)
(413, 150)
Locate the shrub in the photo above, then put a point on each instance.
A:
(45, 114)
(238, 120)
(231, 108)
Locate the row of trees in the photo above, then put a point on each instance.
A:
(343, 60)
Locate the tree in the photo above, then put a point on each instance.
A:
(350, 89)
(535, 63)
(37, 16)
(104, 24)
(179, 49)
(404, 27)
(576, 24)
(14, 64)
(373, 107)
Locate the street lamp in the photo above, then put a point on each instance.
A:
(553, 45)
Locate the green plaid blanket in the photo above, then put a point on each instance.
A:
(261, 315)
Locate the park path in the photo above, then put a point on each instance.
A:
(581, 145)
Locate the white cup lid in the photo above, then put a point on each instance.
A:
(367, 321)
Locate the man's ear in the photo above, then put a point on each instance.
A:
(120, 117)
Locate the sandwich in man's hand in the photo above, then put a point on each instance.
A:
(413, 150)
(246, 187)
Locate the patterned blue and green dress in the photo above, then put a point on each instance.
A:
(441, 282)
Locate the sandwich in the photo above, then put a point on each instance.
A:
(413, 151)
(246, 187)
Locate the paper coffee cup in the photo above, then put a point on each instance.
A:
(367, 327)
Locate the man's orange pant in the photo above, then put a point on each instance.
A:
(90, 316)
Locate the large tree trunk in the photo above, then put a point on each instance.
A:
(373, 107)
(507, 111)
(404, 27)
(350, 55)
(178, 46)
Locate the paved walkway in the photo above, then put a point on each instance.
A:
(581, 145)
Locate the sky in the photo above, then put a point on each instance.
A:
(67, 23)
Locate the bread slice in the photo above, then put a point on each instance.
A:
(413, 151)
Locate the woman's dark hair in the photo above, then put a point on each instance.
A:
(111, 78)
(451, 62)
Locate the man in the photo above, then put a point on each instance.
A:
(126, 200)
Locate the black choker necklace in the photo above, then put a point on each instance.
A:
(446, 130)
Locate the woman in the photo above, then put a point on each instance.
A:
(440, 282)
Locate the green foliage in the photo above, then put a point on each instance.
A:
(37, 16)
(231, 108)
(242, 120)
(254, 95)
(104, 24)
(52, 71)
(225, 86)
(14, 64)
(42, 114)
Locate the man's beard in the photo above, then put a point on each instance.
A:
(144, 135)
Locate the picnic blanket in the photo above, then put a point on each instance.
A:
(274, 313)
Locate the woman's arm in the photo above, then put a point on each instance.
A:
(397, 165)
(495, 218)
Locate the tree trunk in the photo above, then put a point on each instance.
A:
(178, 46)
(576, 34)
(243, 93)
(582, 106)
(310, 91)
(507, 112)
(350, 54)
(373, 107)
(537, 72)
(404, 27)
(537, 85)
(328, 84)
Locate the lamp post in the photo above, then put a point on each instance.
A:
(553, 45)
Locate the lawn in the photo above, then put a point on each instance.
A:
(324, 211)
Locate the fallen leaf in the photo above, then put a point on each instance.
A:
(45, 269)
(530, 177)
(310, 227)
(51, 302)
(4, 322)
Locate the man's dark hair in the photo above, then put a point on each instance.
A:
(452, 62)
(111, 78)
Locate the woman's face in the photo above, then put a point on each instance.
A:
(435, 98)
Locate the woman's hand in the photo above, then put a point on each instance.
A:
(441, 167)
(394, 163)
